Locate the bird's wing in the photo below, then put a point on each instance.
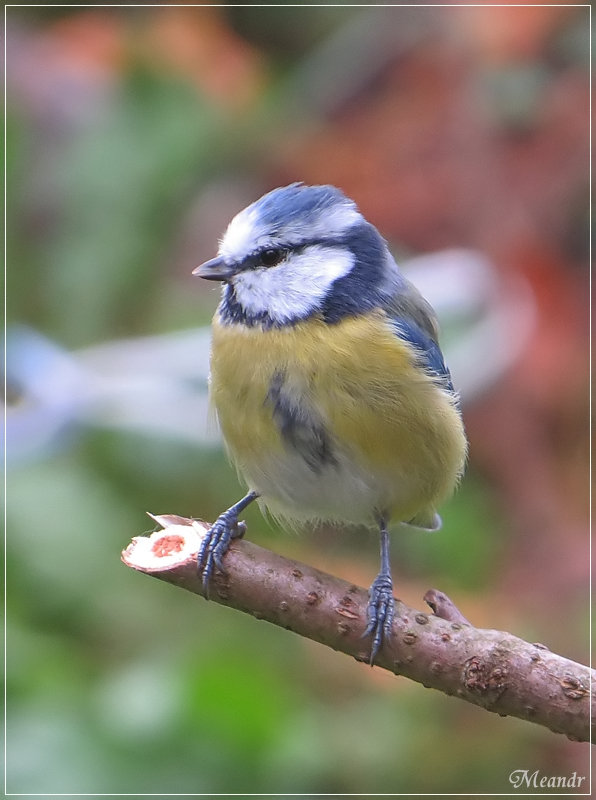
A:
(414, 321)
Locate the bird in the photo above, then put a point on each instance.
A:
(328, 381)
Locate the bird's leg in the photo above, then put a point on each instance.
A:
(381, 605)
(218, 538)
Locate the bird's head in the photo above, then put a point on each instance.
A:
(297, 251)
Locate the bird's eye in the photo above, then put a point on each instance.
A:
(272, 256)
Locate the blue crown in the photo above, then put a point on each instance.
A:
(298, 201)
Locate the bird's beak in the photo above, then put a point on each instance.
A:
(215, 269)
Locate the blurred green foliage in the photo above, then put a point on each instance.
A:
(114, 195)
(118, 683)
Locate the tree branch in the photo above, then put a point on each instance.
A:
(489, 668)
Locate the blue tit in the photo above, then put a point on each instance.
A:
(327, 378)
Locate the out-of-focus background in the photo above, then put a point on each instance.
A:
(134, 135)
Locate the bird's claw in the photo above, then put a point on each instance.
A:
(379, 613)
(216, 544)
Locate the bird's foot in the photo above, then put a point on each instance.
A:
(216, 544)
(379, 612)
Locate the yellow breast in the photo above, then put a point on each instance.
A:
(398, 435)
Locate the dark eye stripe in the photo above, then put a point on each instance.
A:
(271, 256)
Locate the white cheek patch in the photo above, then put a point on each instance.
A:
(294, 288)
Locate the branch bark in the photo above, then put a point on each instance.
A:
(489, 668)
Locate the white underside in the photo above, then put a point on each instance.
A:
(340, 493)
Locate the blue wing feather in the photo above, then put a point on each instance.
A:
(426, 347)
